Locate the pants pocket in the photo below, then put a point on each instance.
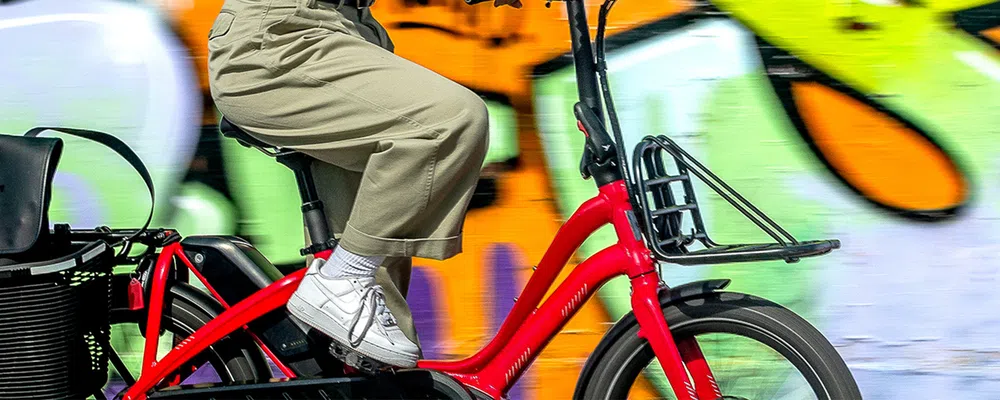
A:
(223, 23)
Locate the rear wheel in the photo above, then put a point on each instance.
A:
(233, 359)
(755, 349)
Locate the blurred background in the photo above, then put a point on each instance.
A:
(872, 121)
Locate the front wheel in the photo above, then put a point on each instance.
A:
(756, 350)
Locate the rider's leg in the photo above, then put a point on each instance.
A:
(338, 188)
(343, 264)
(394, 277)
(307, 80)
(418, 138)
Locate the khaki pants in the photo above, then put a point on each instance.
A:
(401, 146)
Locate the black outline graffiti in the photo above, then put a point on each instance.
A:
(778, 62)
(977, 20)
(783, 69)
(511, 26)
(491, 41)
(635, 35)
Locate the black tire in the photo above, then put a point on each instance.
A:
(729, 313)
(235, 358)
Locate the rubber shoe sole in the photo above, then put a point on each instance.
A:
(323, 322)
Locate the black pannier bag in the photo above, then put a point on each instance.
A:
(55, 294)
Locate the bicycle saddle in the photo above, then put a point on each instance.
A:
(230, 130)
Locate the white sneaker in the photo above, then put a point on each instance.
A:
(342, 308)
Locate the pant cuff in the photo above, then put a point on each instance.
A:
(364, 244)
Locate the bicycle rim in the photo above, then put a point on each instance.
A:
(212, 366)
(743, 367)
(755, 348)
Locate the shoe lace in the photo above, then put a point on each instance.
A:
(376, 304)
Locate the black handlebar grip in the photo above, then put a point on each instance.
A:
(600, 142)
(471, 2)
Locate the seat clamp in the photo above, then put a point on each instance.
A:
(318, 247)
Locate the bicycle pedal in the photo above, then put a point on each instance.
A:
(357, 360)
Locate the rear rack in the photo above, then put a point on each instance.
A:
(663, 219)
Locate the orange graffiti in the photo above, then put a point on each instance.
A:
(485, 48)
(993, 34)
(530, 36)
(192, 23)
(877, 155)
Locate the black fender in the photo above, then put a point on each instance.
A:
(210, 306)
(205, 302)
(197, 297)
(676, 294)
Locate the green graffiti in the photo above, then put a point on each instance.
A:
(268, 199)
(761, 156)
(503, 133)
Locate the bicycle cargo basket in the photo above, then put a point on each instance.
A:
(54, 324)
(55, 295)
(27, 166)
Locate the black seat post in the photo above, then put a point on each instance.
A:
(313, 214)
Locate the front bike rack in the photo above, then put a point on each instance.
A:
(663, 216)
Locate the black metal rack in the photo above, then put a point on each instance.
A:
(651, 184)
(663, 216)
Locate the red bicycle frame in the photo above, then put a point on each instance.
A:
(524, 333)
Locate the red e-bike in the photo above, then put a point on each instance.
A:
(692, 341)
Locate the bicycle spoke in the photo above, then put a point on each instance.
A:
(743, 368)
(120, 367)
(129, 353)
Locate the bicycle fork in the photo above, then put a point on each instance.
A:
(678, 359)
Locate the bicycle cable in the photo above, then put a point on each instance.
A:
(602, 73)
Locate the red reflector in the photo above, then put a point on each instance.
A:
(135, 300)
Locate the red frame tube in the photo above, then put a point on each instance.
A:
(154, 317)
(701, 373)
(251, 308)
(267, 351)
(653, 327)
(154, 314)
(526, 330)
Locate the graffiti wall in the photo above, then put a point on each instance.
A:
(871, 121)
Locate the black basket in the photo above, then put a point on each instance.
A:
(663, 172)
(54, 325)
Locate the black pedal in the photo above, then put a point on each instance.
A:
(357, 360)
